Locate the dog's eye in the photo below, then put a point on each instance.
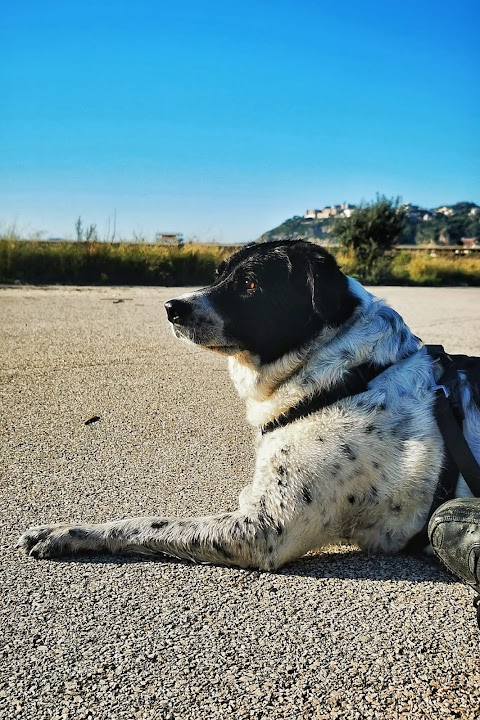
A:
(245, 283)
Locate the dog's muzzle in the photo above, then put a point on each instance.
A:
(178, 311)
(194, 319)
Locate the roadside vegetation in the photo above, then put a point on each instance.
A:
(366, 251)
(100, 263)
(417, 268)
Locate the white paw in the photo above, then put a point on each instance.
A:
(47, 541)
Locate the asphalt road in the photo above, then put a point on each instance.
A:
(336, 635)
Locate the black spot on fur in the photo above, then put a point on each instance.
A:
(347, 450)
(373, 495)
(396, 508)
(375, 464)
(337, 467)
(319, 438)
(266, 522)
(285, 450)
(116, 533)
(279, 529)
(370, 428)
(220, 549)
(282, 479)
(195, 541)
(351, 499)
(159, 524)
(282, 476)
(399, 429)
(307, 495)
(270, 549)
(265, 519)
(79, 533)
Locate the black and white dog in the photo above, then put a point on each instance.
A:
(362, 468)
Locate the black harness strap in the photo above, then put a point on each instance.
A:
(458, 447)
(355, 382)
(458, 455)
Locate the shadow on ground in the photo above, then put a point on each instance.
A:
(344, 564)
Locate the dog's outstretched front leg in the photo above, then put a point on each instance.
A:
(225, 539)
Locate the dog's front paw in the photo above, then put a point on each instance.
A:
(47, 541)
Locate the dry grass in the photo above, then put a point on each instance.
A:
(419, 268)
(425, 269)
(98, 263)
(92, 263)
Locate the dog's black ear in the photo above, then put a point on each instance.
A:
(328, 288)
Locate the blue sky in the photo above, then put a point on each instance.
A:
(220, 119)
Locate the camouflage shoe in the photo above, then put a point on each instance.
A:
(454, 532)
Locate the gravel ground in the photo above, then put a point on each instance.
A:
(336, 635)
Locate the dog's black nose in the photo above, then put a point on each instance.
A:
(178, 311)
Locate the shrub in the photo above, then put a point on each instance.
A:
(369, 233)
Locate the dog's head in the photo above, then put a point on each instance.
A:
(266, 300)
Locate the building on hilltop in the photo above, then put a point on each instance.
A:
(445, 211)
(343, 210)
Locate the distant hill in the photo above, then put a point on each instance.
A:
(445, 225)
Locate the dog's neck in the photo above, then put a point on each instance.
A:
(375, 333)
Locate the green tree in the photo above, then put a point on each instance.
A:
(369, 232)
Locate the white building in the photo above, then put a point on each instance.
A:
(343, 210)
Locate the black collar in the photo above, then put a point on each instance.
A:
(354, 382)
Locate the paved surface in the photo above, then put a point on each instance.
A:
(338, 635)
